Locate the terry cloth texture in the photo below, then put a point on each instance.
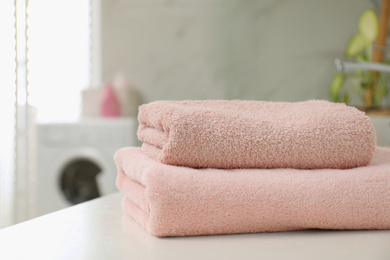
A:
(179, 201)
(256, 134)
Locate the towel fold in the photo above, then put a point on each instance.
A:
(179, 201)
(256, 134)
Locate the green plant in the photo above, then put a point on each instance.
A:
(360, 49)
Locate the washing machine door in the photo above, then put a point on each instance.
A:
(78, 180)
(85, 175)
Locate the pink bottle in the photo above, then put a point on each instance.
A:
(109, 105)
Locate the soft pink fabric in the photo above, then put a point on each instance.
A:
(179, 201)
(256, 134)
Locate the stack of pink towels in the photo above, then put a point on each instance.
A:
(224, 167)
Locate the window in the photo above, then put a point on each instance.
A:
(47, 70)
(58, 57)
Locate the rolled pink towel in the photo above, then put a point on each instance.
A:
(256, 134)
(180, 201)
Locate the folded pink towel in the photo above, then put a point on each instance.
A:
(179, 201)
(255, 134)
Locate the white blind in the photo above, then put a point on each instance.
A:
(7, 110)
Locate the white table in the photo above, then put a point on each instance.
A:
(99, 230)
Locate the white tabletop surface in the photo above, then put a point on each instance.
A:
(100, 230)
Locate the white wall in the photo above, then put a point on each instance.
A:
(279, 50)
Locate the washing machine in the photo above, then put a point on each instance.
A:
(75, 160)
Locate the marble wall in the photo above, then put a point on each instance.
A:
(279, 50)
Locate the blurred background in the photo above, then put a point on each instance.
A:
(73, 74)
